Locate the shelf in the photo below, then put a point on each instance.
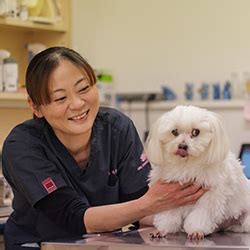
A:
(19, 100)
(13, 100)
(166, 105)
(12, 23)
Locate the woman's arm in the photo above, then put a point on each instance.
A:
(147, 221)
(160, 196)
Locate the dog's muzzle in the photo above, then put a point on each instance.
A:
(182, 150)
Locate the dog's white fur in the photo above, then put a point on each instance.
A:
(208, 162)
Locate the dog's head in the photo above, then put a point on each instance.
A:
(187, 133)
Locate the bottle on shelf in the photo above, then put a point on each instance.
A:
(105, 85)
(10, 74)
(237, 86)
(246, 81)
(3, 55)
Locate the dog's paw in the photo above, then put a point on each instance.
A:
(157, 235)
(196, 236)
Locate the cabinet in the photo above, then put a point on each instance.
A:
(15, 35)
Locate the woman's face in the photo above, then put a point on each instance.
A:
(74, 102)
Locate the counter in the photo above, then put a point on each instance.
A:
(141, 240)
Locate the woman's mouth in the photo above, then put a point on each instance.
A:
(79, 117)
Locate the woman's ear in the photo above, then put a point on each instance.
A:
(34, 108)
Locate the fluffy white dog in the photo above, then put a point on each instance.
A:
(189, 144)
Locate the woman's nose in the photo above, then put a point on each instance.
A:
(76, 102)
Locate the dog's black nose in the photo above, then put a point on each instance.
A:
(183, 146)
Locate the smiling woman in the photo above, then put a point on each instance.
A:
(64, 97)
(73, 105)
(77, 167)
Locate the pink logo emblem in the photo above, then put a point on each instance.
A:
(49, 185)
(144, 161)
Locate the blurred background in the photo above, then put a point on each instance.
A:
(149, 55)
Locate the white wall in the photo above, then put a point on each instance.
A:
(149, 43)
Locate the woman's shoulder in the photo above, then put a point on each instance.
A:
(27, 131)
(113, 116)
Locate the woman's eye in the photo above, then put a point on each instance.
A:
(195, 132)
(175, 132)
(84, 89)
(60, 99)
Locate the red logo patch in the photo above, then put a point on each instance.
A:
(49, 185)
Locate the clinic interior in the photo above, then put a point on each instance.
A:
(149, 56)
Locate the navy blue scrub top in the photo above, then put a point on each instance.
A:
(36, 163)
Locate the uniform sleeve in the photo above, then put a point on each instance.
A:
(65, 209)
(133, 166)
(28, 170)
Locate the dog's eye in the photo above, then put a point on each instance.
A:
(195, 132)
(175, 132)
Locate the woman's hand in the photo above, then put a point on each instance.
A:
(160, 196)
(163, 196)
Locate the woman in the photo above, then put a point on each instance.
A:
(77, 168)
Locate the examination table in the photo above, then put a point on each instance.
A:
(142, 240)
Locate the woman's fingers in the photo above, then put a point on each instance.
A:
(190, 190)
(190, 195)
(175, 186)
(172, 195)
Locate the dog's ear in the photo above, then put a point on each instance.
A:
(219, 146)
(153, 145)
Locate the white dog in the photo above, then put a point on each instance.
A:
(189, 144)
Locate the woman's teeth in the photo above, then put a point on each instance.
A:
(79, 117)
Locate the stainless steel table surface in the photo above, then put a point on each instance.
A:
(141, 240)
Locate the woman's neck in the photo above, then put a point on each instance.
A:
(79, 147)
